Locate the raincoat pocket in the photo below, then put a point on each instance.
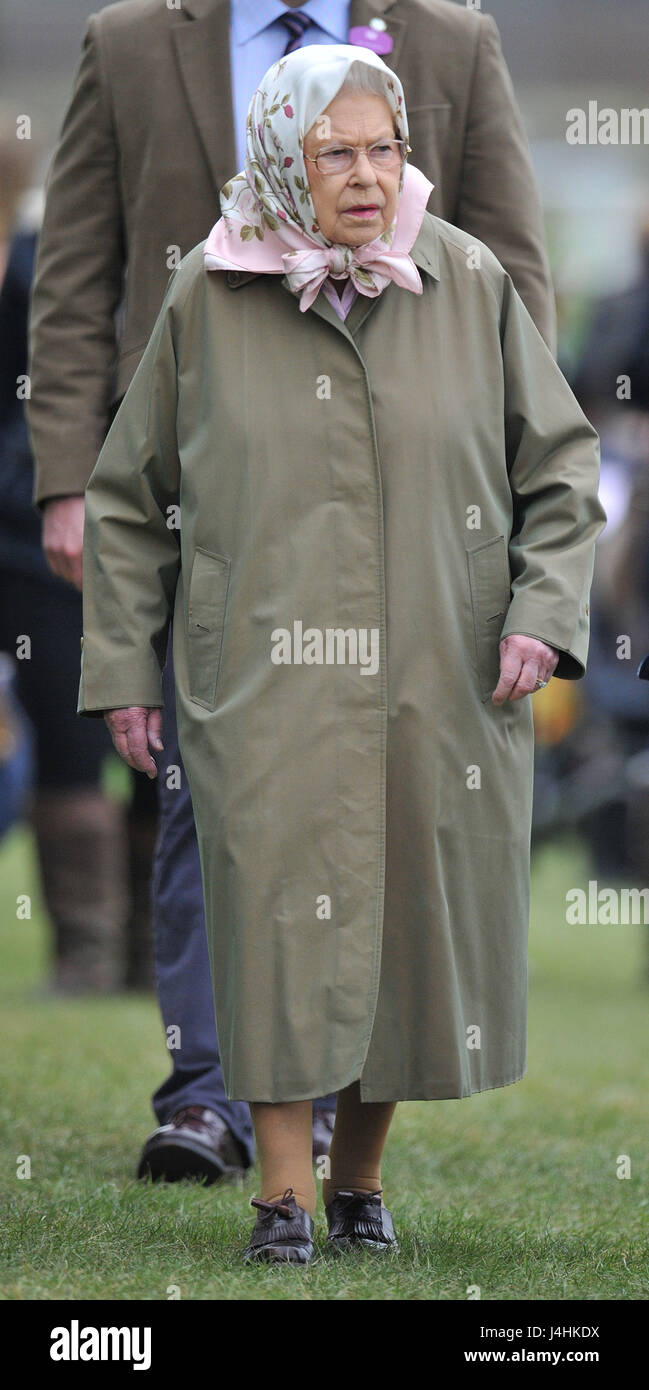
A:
(208, 593)
(490, 584)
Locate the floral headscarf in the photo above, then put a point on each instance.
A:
(268, 219)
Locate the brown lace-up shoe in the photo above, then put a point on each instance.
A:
(283, 1232)
(358, 1218)
(195, 1144)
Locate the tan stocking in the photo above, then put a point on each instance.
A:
(285, 1143)
(358, 1141)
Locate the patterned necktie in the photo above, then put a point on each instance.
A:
(296, 24)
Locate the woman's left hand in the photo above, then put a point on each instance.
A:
(523, 662)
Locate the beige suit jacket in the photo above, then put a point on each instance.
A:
(147, 142)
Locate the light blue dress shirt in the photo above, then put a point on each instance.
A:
(257, 40)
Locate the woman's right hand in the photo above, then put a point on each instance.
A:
(132, 730)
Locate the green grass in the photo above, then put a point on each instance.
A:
(514, 1190)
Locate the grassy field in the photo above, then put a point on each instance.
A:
(514, 1190)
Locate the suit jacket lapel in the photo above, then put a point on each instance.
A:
(203, 50)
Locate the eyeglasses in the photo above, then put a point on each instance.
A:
(385, 154)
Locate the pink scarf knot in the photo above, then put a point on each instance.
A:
(306, 270)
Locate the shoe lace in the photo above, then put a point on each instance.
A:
(272, 1209)
(349, 1200)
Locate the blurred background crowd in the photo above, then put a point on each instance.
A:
(93, 822)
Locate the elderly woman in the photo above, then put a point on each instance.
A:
(350, 468)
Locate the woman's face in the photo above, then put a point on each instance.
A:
(354, 118)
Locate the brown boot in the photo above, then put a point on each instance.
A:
(81, 845)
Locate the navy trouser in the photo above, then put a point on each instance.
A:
(182, 962)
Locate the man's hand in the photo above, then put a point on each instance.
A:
(63, 537)
(132, 730)
(523, 662)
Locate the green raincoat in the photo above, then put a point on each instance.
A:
(344, 519)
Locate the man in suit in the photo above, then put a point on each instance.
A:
(155, 126)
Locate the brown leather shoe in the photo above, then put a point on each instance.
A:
(359, 1218)
(195, 1144)
(282, 1233)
